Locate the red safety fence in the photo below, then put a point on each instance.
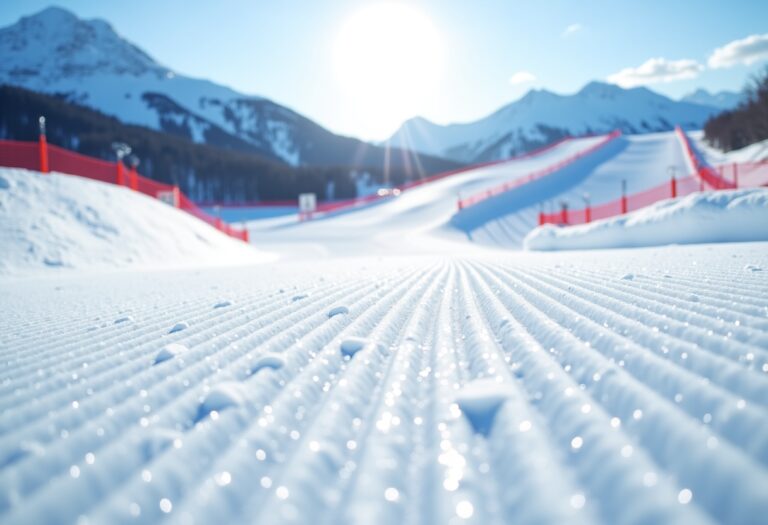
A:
(625, 204)
(41, 156)
(535, 175)
(744, 174)
(705, 173)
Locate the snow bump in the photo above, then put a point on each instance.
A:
(338, 310)
(169, 351)
(480, 401)
(222, 396)
(178, 327)
(272, 361)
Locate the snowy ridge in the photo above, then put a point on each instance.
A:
(623, 398)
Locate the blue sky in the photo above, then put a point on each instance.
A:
(284, 50)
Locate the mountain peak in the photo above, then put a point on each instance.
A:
(597, 89)
(54, 43)
(53, 15)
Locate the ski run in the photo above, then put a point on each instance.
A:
(403, 362)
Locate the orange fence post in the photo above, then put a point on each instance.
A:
(176, 199)
(735, 175)
(43, 147)
(120, 176)
(623, 197)
(134, 178)
(673, 185)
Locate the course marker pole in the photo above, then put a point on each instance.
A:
(43, 147)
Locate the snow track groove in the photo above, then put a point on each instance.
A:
(638, 398)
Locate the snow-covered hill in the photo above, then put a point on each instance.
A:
(542, 116)
(62, 221)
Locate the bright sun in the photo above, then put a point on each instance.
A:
(388, 59)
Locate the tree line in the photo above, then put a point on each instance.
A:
(747, 123)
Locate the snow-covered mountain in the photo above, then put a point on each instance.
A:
(87, 62)
(542, 116)
(721, 99)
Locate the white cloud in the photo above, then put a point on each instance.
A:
(744, 51)
(656, 70)
(571, 30)
(522, 77)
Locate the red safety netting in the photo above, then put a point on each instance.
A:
(64, 161)
(29, 155)
(745, 174)
(192, 208)
(705, 173)
(15, 154)
(635, 201)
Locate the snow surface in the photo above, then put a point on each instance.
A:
(50, 222)
(618, 401)
(707, 217)
(357, 381)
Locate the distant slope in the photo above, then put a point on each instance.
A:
(87, 62)
(60, 221)
(541, 117)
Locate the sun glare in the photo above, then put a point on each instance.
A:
(388, 61)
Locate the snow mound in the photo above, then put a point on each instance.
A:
(352, 345)
(52, 221)
(480, 400)
(272, 361)
(723, 216)
(178, 327)
(227, 394)
(169, 351)
(337, 310)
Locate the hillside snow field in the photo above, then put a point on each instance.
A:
(62, 221)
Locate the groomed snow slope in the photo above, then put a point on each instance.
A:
(642, 160)
(629, 387)
(57, 220)
(411, 222)
(708, 217)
